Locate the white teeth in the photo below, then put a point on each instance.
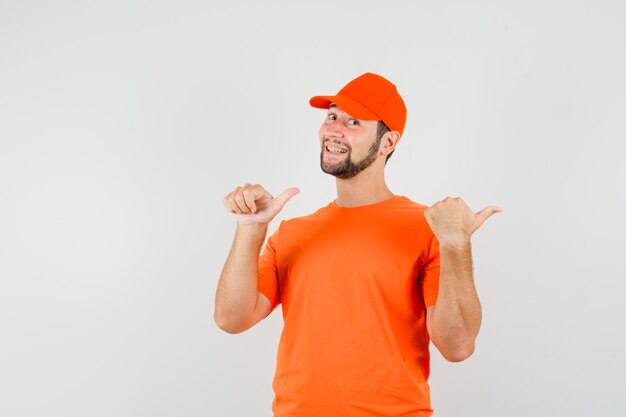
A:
(337, 150)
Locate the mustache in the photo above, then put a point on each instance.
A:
(329, 141)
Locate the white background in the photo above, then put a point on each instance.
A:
(124, 124)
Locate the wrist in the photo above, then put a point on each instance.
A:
(252, 227)
(458, 244)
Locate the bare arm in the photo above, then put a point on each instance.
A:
(454, 321)
(237, 290)
(238, 303)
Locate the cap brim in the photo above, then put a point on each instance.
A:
(348, 105)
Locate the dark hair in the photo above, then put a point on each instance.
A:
(380, 131)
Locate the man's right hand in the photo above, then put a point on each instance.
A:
(254, 206)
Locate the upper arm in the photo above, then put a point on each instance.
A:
(429, 317)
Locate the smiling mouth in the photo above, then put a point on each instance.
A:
(336, 150)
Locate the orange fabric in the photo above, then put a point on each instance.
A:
(354, 283)
(370, 97)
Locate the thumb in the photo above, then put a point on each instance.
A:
(285, 196)
(486, 212)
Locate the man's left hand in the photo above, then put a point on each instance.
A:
(453, 222)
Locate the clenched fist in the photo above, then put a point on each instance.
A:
(254, 206)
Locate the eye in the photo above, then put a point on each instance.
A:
(354, 122)
(331, 116)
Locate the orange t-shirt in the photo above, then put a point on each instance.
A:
(354, 283)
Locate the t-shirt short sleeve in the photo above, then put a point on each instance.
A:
(268, 271)
(429, 274)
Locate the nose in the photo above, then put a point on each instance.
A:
(333, 128)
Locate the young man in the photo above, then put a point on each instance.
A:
(365, 282)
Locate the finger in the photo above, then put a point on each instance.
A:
(252, 194)
(229, 196)
(241, 202)
(285, 196)
(486, 212)
(229, 201)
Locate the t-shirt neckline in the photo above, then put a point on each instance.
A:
(395, 197)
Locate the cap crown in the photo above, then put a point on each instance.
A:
(369, 96)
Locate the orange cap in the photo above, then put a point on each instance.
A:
(368, 97)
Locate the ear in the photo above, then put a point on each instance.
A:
(390, 141)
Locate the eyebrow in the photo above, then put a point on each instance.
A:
(334, 105)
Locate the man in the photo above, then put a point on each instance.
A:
(365, 282)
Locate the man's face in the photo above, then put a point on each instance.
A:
(355, 137)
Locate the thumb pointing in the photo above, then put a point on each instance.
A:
(487, 212)
(285, 196)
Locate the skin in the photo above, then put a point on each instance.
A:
(359, 173)
(454, 321)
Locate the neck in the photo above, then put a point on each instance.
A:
(368, 187)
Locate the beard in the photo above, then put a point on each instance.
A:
(345, 168)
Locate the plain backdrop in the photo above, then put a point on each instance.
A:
(123, 124)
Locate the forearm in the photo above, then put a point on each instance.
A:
(457, 313)
(237, 289)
